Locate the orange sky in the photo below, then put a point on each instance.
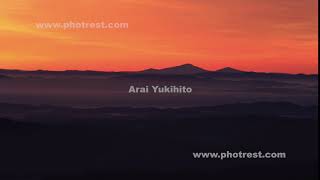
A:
(255, 35)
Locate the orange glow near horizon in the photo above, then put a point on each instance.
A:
(264, 35)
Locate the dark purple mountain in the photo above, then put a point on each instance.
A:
(229, 70)
(182, 69)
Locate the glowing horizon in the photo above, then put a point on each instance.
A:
(264, 36)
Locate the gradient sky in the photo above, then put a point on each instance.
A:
(254, 35)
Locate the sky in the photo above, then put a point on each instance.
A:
(252, 35)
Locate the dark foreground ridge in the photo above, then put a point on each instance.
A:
(55, 114)
(49, 142)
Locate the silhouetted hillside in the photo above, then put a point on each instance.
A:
(92, 89)
(46, 142)
(56, 114)
(258, 75)
(229, 70)
(184, 69)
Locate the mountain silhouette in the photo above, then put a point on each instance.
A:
(182, 69)
(185, 69)
(229, 70)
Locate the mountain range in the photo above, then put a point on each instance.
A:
(185, 69)
(182, 69)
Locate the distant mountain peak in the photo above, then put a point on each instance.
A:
(229, 70)
(181, 69)
(187, 65)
